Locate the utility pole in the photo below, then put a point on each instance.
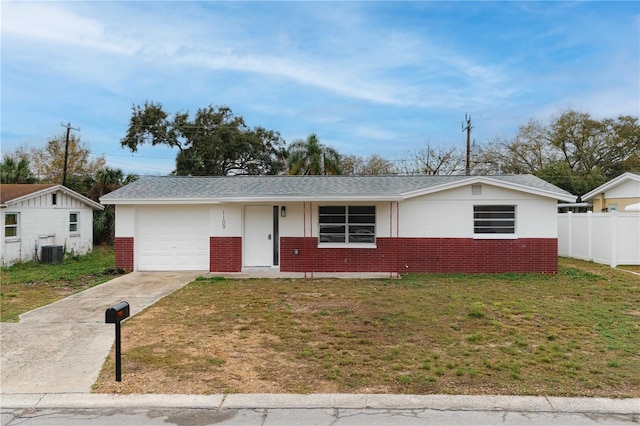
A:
(66, 151)
(468, 129)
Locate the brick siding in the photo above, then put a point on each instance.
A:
(443, 255)
(225, 254)
(124, 253)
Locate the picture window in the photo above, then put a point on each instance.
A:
(347, 224)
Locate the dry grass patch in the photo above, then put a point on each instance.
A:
(570, 334)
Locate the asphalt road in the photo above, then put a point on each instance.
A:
(300, 416)
(319, 409)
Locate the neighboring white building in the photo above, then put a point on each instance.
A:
(617, 194)
(40, 215)
(392, 224)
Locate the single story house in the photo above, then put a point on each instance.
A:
(43, 215)
(620, 193)
(392, 224)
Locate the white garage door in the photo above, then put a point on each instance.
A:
(172, 238)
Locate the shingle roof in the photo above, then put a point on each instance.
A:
(253, 188)
(12, 191)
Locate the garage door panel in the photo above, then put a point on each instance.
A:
(173, 238)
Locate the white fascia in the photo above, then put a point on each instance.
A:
(489, 181)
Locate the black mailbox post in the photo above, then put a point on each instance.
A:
(114, 315)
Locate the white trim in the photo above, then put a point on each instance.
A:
(17, 226)
(55, 189)
(495, 237)
(77, 223)
(612, 183)
(347, 245)
(489, 181)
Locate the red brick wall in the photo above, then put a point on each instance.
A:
(225, 254)
(124, 252)
(423, 255)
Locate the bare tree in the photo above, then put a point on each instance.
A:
(433, 160)
(372, 165)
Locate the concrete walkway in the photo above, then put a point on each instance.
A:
(61, 347)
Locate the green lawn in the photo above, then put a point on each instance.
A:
(576, 333)
(26, 286)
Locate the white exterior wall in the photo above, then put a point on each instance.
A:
(225, 220)
(41, 223)
(628, 189)
(125, 221)
(449, 214)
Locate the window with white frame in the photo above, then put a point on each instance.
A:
(494, 219)
(11, 223)
(73, 221)
(347, 224)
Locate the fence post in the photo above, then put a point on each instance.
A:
(590, 236)
(570, 225)
(613, 217)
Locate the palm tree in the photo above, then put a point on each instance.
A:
(106, 180)
(15, 172)
(310, 157)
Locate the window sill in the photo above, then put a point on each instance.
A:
(348, 245)
(74, 234)
(495, 237)
(12, 239)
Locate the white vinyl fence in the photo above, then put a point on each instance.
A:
(610, 238)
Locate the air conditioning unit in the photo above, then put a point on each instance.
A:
(52, 254)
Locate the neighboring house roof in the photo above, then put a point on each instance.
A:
(196, 190)
(612, 184)
(14, 193)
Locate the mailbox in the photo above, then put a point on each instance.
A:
(117, 313)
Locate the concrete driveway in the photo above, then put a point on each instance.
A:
(61, 347)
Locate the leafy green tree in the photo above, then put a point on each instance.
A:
(48, 162)
(214, 143)
(310, 157)
(12, 171)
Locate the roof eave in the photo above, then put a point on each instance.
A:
(611, 184)
(260, 199)
(495, 182)
(88, 201)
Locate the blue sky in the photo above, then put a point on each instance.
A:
(368, 78)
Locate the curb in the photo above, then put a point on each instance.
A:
(320, 401)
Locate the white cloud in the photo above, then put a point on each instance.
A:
(47, 23)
